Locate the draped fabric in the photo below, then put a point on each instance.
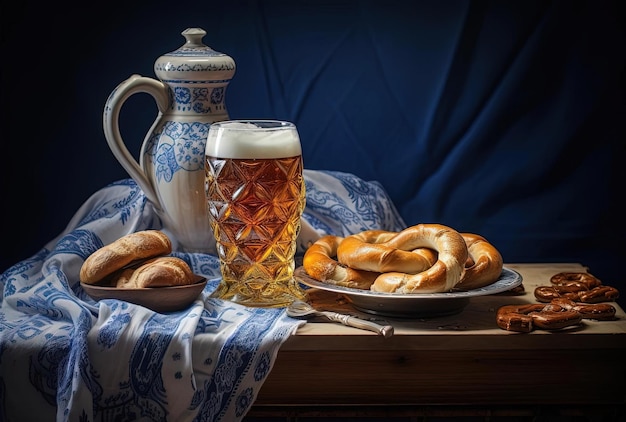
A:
(504, 118)
(500, 118)
(66, 357)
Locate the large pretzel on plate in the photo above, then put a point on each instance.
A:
(442, 276)
(375, 250)
(319, 263)
(484, 264)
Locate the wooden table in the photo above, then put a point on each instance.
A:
(453, 365)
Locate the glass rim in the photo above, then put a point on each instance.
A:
(258, 124)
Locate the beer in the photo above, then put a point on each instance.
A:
(255, 196)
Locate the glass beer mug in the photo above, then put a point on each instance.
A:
(256, 195)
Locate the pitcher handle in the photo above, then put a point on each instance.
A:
(110, 121)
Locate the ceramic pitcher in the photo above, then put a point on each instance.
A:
(190, 95)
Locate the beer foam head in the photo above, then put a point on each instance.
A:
(253, 139)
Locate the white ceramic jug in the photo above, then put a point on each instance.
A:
(190, 95)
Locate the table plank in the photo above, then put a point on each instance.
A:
(462, 359)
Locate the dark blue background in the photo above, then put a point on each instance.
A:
(503, 118)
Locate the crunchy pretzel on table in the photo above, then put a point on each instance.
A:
(576, 286)
(558, 314)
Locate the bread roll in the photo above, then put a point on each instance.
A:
(116, 255)
(164, 271)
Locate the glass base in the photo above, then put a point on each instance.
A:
(260, 294)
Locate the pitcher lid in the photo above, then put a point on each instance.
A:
(194, 61)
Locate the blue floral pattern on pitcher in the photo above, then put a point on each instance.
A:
(189, 95)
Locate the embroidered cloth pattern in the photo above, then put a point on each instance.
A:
(67, 357)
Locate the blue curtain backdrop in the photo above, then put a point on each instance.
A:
(503, 118)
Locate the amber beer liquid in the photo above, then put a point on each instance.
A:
(255, 196)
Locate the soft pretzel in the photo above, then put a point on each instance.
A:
(375, 250)
(484, 264)
(442, 276)
(319, 263)
(121, 252)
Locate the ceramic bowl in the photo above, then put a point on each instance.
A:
(158, 299)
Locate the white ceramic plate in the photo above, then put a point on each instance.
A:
(159, 299)
(413, 305)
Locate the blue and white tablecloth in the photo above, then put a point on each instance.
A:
(67, 357)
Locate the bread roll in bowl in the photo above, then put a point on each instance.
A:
(164, 271)
(118, 254)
